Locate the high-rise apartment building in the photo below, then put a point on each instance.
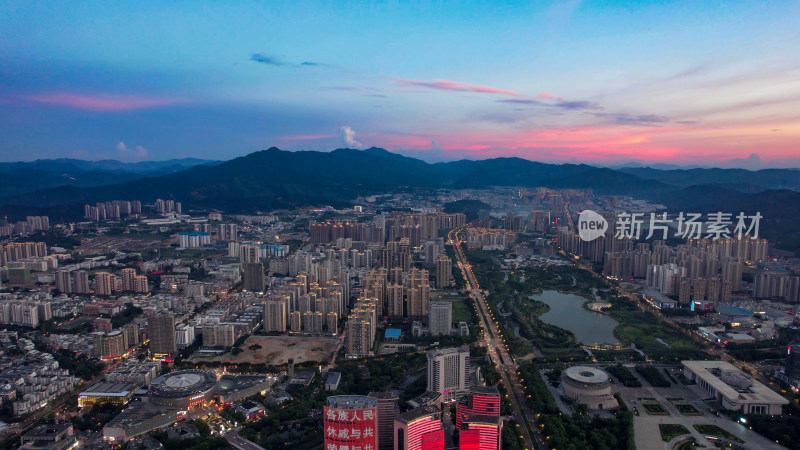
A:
(254, 277)
(448, 371)
(110, 345)
(361, 327)
(296, 321)
(444, 271)
(161, 329)
(275, 312)
(81, 282)
(104, 283)
(418, 294)
(395, 301)
(140, 285)
(227, 232)
(387, 409)
(128, 276)
(440, 317)
(63, 281)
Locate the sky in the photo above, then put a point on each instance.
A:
(689, 83)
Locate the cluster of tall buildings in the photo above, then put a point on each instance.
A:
(69, 281)
(489, 238)
(204, 234)
(112, 210)
(325, 232)
(696, 271)
(781, 285)
(414, 227)
(252, 252)
(105, 283)
(374, 421)
(168, 206)
(16, 251)
(31, 224)
(398, 293)
(303, 306)
(194, 239)
(27, 313)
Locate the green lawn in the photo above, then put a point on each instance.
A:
(644, 329)
(670, 431)
(713, 430)
(652, 407)
(687, 409)
(461, 312)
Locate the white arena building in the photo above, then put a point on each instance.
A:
(589, 386)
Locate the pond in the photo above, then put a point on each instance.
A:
(566, 311)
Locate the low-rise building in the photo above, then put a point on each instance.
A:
(332, 381)
(50, 437)
(734, 389)
(107, 392)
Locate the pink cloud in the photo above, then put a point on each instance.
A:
(307, 137)
(103, 102)
(545, 95)
(447, 85)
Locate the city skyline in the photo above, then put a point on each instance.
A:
(563, 82)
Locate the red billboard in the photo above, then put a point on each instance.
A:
(350, 429)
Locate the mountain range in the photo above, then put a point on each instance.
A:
(273, 178)
(22, 177)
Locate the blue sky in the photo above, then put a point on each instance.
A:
(685, 82)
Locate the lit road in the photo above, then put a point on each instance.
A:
(239, 442)
(496, 348)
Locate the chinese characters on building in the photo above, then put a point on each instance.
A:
(350, 429)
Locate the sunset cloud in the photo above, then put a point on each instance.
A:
(104, 102)
(447, 85)
(348, 136)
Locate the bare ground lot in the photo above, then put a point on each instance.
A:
(276, 350)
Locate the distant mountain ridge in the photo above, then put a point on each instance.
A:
(105, 165)
(749, 180)
(273, 178)
(18, 178)
(276, 178)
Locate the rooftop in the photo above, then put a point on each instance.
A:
(108, 389)
(483, 420)
(756, 392)
(351, 402)
(733, 310)
(585, 374)
(390, 395)
(478, 389)
(333, 377)
(392, 333)
(418, 413)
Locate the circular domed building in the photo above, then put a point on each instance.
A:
(589, 386)
(183, 388)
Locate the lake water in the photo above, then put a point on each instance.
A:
(566, 311)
